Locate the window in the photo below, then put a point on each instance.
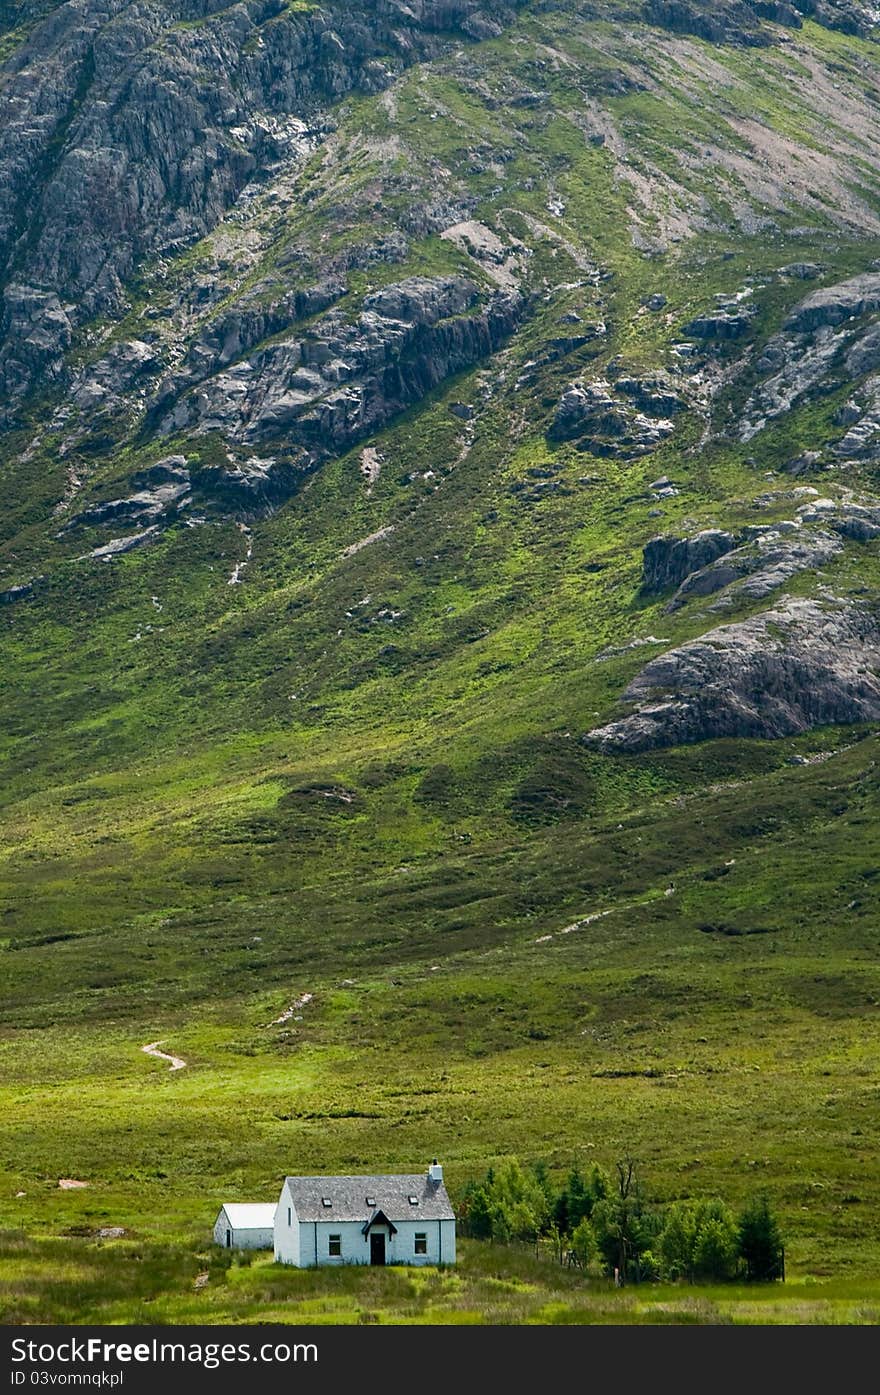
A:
(289, 1221)
(334, 1246)
(326, 1201)
(371, 1201)
(414, 1201)
(421, 1244)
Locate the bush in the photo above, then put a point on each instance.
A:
(699, 1240)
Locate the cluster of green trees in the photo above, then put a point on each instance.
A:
(602, 1218)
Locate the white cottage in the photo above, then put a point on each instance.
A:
(398, 1219)
(245, 1225)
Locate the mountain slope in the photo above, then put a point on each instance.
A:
(440, 460)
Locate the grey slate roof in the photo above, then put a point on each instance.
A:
(349, 1198)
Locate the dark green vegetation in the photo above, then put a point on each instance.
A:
(358, 774)
(603, 1222)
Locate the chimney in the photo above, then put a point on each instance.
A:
(435, 1172)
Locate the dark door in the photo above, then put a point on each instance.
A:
(377, 1247)
(229, 1239)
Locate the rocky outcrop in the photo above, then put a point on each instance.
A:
(739, 21)
(728, 22)
(861, 417)
(23, 592)
(754, 561)
(37, 329)
(832, 330)
(251, 320)
(760, 565)
(168, 491)
(325, 389)
(654, 394)
(831, 305)
(728, 324)
(628, 418)
(139, 123)
(667, 561)
(254, 487)
(847, 16)
(118, 547)
(801, 665)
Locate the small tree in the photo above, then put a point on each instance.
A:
(716, 1247)
(624, 1229)
(476, 1213)
(677, 1241)
(699, 1240)
(760, 1242)
(598, 1187)
(502, 1230)
(523, 1221)
(583, 1243)
(557, 1242)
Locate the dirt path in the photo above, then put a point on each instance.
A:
(153, 1050)
(286, 1015)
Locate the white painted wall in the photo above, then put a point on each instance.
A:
(307, 1243)
(355, 1249)
(257, 1238)
(287, 1249)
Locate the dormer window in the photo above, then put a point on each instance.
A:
(326, 1201)
(371, 1201)
(414, 1201)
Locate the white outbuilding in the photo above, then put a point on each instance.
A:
(245, 1225)
(396, 1219)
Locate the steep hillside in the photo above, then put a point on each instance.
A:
(439, 574)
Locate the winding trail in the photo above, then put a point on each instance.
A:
(152, 1049)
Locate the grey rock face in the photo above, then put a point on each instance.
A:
(171, 470)
(139, 122)
(38, 329)
(830, 329)
(23, 592)
(249, 321)
(862, 420)
(629, 419)
(833, 304)
(756, 560)
(667, 561)
(848, 16)
(730, 22)
(739, 21)
(251, 488)
(341, 379)
(730, 325)
(798, 666)
(146, 506)
(801, 271)
(654, 394)
(118, 547)
(760, 566)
